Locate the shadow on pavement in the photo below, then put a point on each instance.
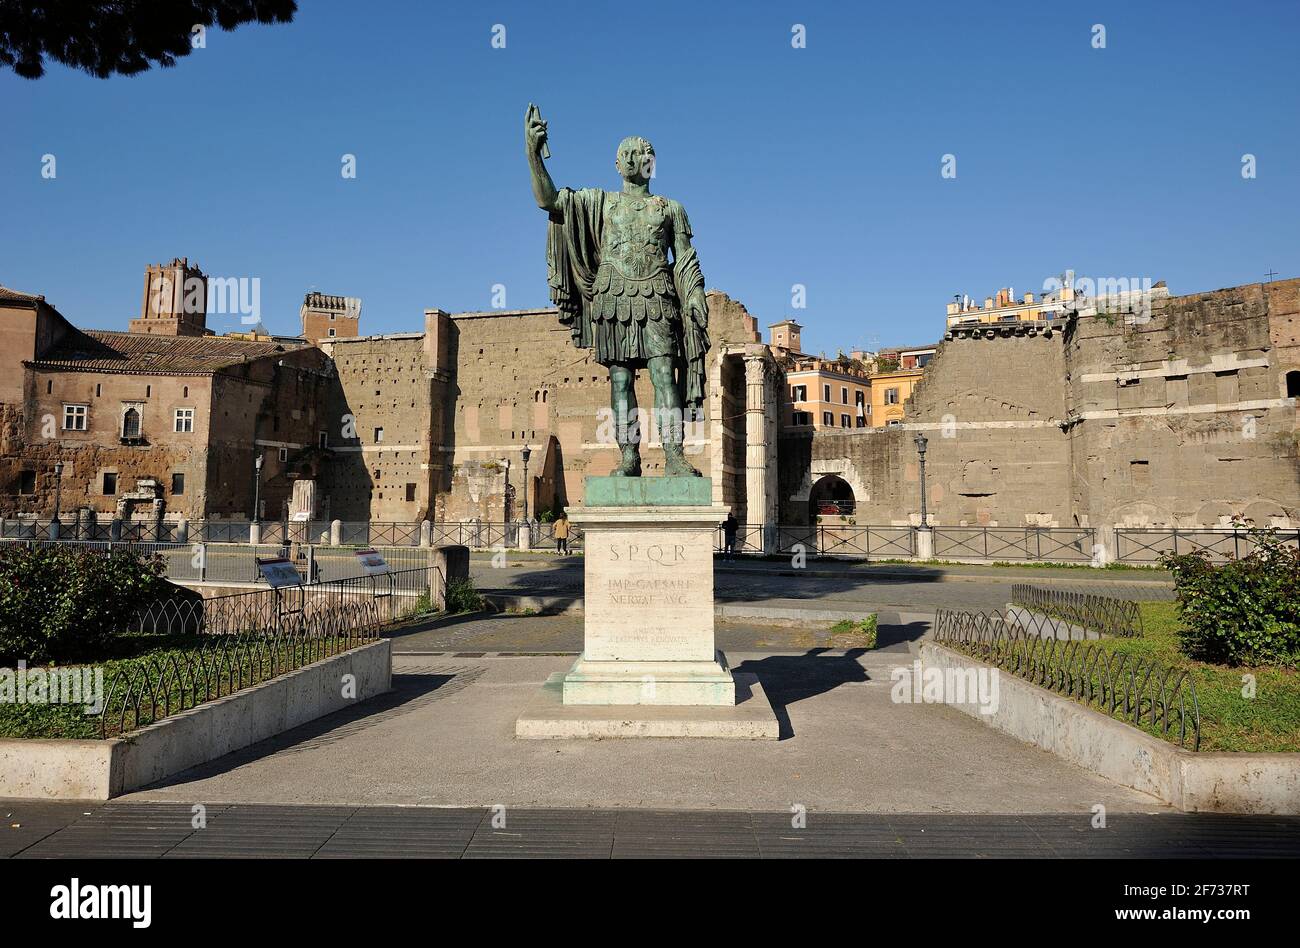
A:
(790, 678)
(410, 691)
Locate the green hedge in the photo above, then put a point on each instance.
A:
(1243, 612)
(60, 604)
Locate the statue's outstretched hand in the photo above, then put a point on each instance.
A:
(535, 131)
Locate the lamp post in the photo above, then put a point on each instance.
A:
(920, 452)
(58, 492)
(257, 487)
(526, 453)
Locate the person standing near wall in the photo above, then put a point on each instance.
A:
(562, 534)
(729, 528)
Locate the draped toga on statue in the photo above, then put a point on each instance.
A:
(607, 259)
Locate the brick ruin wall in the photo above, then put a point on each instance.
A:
(378, 421)
(1184, 419)
(1179, 420)
(520, 380)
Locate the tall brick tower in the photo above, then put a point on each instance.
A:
(329, 317)
(175, 300)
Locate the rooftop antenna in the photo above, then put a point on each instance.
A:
(1270, 275)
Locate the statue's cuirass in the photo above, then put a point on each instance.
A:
(637, 234)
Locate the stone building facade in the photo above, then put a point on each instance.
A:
(1186, 416)
(520, 382)
(151, 425)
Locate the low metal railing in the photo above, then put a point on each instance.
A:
(1102, 614)
(1148, 544)
(1161, 698)
(153, 688)
(1057, 544)
(249, 638)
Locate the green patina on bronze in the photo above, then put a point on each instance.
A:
(647, 492)
(610, 273)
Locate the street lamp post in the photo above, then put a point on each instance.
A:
(920, 452)
(257, 487)
(58, 494)
(526, 453)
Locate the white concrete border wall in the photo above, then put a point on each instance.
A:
(100, 770)
(1192, 781)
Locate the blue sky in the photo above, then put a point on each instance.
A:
(817, 166)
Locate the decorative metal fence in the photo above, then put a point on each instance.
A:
(1101, 614)
(149, 689)
(249, 638)
(1147, 544)
(1158, 697)
(1057, 544)
(355, 604)
(881, 541)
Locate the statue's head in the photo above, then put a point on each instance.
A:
(635, 160)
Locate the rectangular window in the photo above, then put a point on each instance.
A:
(331, 330)
(324, 439)
(184, 420)
(801, 418)
(410, 493)
(379, 436)
(891, 396)
(828, 419)
(284, 454)
(859, 398)
(178, 484)
(826, 393)
(846, 421)
(74, 417)
(110, 483)
(799, 393)
(862, 421)
(844, 395)
(26, 482)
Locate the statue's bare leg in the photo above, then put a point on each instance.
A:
(668, 416)
(622, 398)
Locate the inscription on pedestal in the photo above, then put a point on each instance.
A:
(649, 595)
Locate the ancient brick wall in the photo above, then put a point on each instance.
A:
(378, 423)
(1181, 419)
(521, 381)
(990, 409)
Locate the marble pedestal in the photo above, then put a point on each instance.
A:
(648, 636)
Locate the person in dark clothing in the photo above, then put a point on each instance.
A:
(729, 528)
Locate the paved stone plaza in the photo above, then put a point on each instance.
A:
(165, 830)
(445, 737)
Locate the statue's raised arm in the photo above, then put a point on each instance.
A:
(535, 147)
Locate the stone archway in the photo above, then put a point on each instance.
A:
(831, 495)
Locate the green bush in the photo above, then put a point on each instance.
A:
(463, 597)
(1243, 612)
(60, 604)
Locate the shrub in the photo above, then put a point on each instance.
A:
(59, 604)
(463, 597)
(1245, 611)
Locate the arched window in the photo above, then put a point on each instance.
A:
(131, 423)
(1293, 384)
